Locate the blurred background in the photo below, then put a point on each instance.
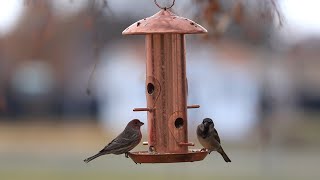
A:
(256, 73)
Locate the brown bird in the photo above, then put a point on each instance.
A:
(209, 138)
(124, 142)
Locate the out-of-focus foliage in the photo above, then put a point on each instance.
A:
(250, 20)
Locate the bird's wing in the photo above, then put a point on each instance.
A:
(216, 135)
(122, 143)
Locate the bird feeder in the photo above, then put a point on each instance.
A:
(166, 88)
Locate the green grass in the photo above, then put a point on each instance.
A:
(42, 152)
(245, 166)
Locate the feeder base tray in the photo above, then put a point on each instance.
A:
(148, 157)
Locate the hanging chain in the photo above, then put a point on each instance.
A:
(165, 8)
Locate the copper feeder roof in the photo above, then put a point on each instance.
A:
(164, 21)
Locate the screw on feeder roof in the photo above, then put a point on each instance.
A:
(166, 87)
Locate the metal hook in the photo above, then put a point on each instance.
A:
(165, 8)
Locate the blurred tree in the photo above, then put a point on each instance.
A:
(249, 21)
(66, 45)
(69, 44)
(245, 20)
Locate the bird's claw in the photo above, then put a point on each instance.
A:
(152, 150)
(126, 155)
(203, 150)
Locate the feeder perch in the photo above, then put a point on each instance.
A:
(166, 88)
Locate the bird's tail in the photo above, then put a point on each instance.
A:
(93, 157)
(224, 155)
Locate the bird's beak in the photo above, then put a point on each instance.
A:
(141, 123)
(205, 124)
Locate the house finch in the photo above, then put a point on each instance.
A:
(124, 142)
(209, 138)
